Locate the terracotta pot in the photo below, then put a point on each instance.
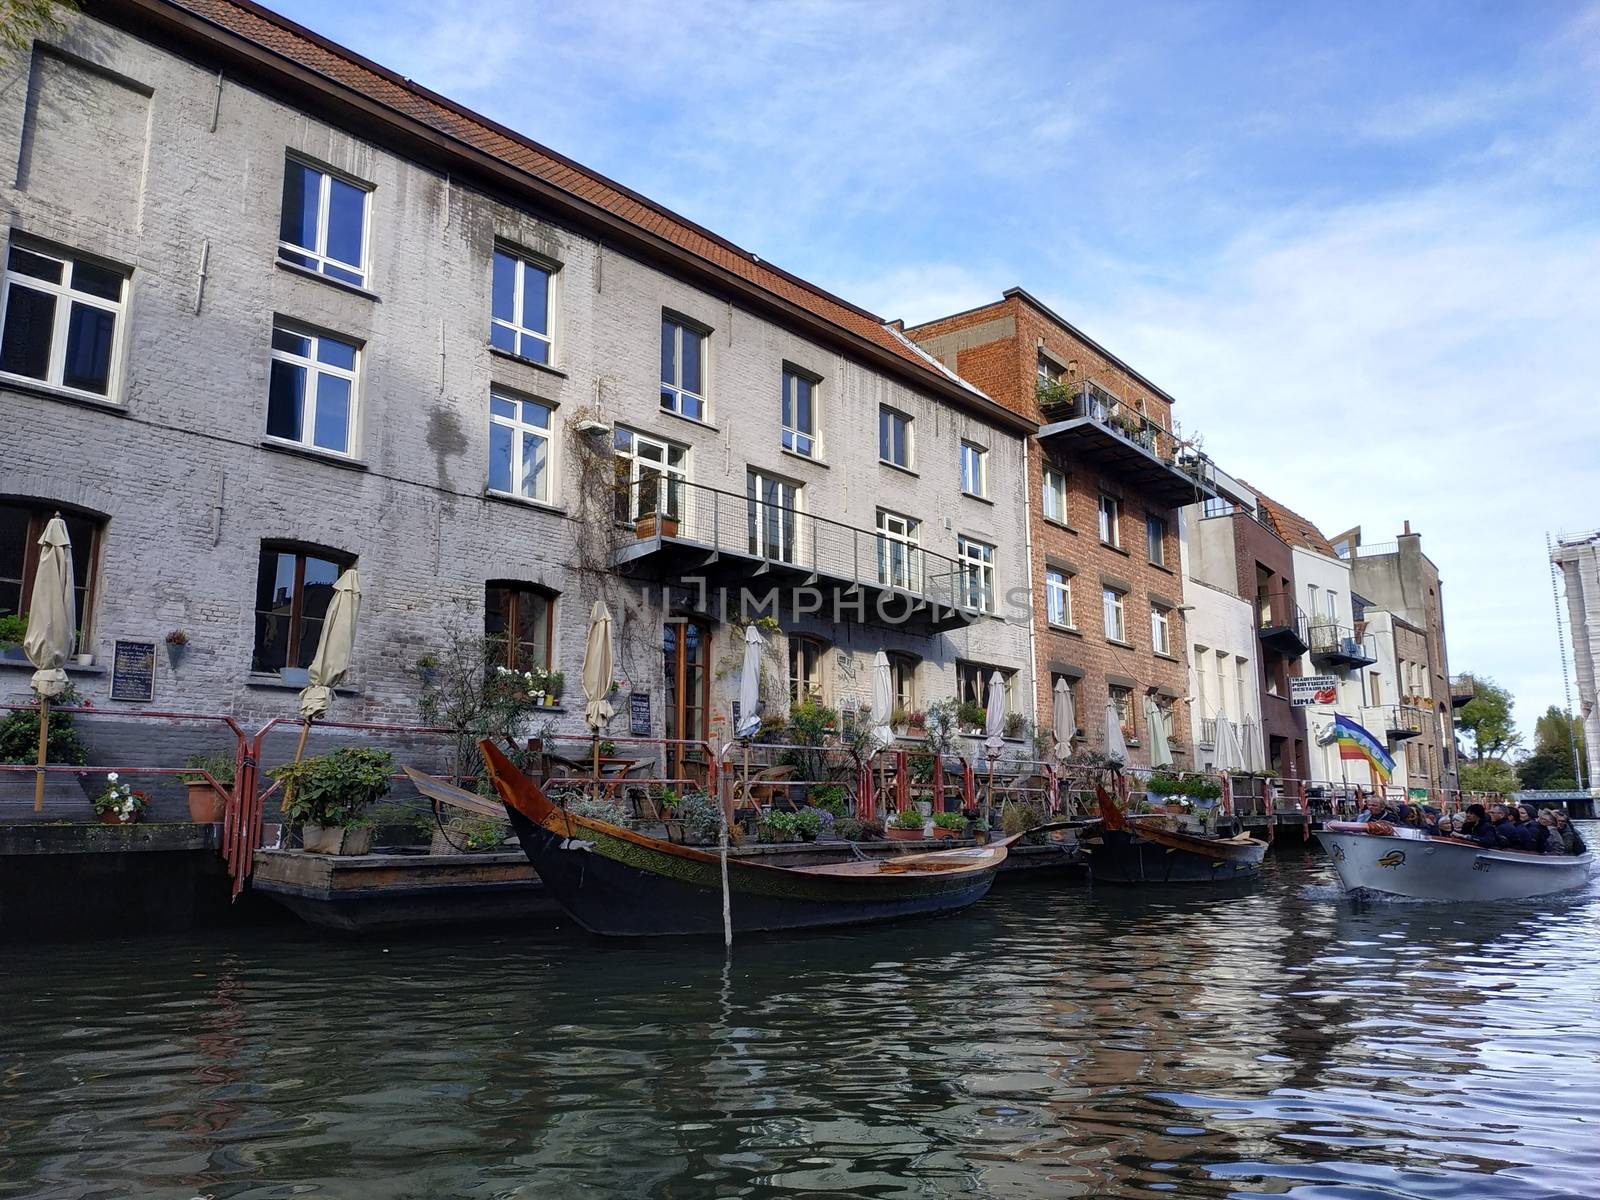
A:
(110, 818)
(941, 834)
(903, 835)
(653, 524)
(206, 804)
(1173, 808)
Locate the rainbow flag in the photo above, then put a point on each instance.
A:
(1358, 744)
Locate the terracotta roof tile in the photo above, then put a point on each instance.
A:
(1291, 526)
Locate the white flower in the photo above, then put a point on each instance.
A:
(112, 777)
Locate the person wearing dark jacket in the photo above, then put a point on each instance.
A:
(1509, 835)
(1533, 834)
(1571, 841)
(1477, 827)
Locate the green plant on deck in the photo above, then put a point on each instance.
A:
(1055, 394)
(830, 797)
(811, 727)
(596, 809)
(909, 819)
(779, 826)
(850, 829)
(1020, 818)
(701, 816)
(219, 766)
(19, 734)
(808, 822)
(950, 820)
(334, 789)
(13, 628)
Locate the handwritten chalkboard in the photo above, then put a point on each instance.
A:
(639, 714)
(133, 671)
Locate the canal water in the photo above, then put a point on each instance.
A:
(1052, 1042)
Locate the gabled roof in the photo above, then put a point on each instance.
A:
(1291, 526)
(273, 42)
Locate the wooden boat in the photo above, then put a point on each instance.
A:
(618, 882)
(1407, 862)
(1152, 849)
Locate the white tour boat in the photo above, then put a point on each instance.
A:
(1407, 862)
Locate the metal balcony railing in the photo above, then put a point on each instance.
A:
(1208, 733)
(1067, 401)
(675, 510)
(1462, 690)
(1402, 721)
(1282, 623)
(1338, 645)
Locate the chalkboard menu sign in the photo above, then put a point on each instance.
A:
(133, 671)
(639, 714)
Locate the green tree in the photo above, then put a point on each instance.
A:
(1486, 718)
(1556, 730)
(23, 20)
(1488, 775)
(1547, 768)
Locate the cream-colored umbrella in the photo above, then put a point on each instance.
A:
(882, 703)
(1226, 752)
(1251, 755)
(750, 685)
(994, 715)
(52, 630)
(1116, 747)
(597, 662)
(1160, 735)
(331, 663)
(1064, 720)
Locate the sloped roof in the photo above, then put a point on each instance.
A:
(299, 47)
(1291, 526)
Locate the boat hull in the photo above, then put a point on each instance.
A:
(626, 888)
(1441, 869)
(1126, 857)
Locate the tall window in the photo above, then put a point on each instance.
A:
(894, 437)
(1160, 629)
(1116, 622)
(1058, 597)
(903, 680)
(977, 573)
(311, 398)
(772, 514)
(1330, 601)
(1122, 700)
(519, 313)
(683, 369)
(1055, 496)
(21, 526)
(974, 470)
(293, 589)
(1155, 538)
(805, 670)
(518, 617)
(519, 446)
(899, 557)
(650, 475)
(62, 317)
(1110, 520)
(799, 412)
(972, 684)
(323, 226)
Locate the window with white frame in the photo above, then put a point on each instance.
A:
(977, 573)
(1155, 538)
(1110, 520)
(1160, 629)
(1058, 597)
(1331, 602)
(519, 446)
(894, 437)
(1046, 371)
(311, 398)
(903, 681)
(773, 516)
(519, 307)
(805, 670)
(974, 470)
(323, 226)
(899, 555)
(799, 412)
(683, 368)
(650, 475)
(1111, 603)
(1055, 495)
(62, 322)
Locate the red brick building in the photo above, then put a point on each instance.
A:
(1107, 474)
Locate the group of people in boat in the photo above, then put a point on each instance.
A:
(1494, 826)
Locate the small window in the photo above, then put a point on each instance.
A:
(519, 621)
(63, 321)
(977, 573)
(519, 317)
(311, 398)
(683, 363)
(1115, 618)
(651, 475)
(323, 226)
(1058, 597)
(772, 515)
(1155, 537)
(799, 412)
(974, 470)
(519, 446)
(1055, 496)
(1160, 629)
(899, 556)
(1110, 520)
(805, 670)
(293, 589)
(972, 684)
(21, 526)
(1046, 371)
(1122, 701)
(894, 437)
(903, 678)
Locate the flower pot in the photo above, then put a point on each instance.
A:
(903, 835)
(206, 803)
(1173, 808)
(334, 839)
(941, 834)
(85, 660)
(111, 818)
(656, 525)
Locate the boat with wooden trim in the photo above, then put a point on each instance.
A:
(1398, 861)
(1151, 848)
(622, 883)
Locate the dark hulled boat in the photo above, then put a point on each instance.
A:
(1150, 849)
(618, 882)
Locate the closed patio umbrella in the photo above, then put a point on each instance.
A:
(994, 716)
(882, 702)
(1065, 720)
(331, 663)
(1227, 754)
(52, 630)
(597, 662)
(1116, 747)
(1251, 755)
(1160, 735)
(750, 683)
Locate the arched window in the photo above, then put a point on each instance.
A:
(294, 585)
(22, 523)
(521, 619)
(805, 669)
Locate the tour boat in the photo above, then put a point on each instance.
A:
(621, 883)
(1150, 848)
(1407, 862)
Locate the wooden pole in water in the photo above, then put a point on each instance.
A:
(38, 776)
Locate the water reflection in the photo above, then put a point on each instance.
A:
(1051, 1042)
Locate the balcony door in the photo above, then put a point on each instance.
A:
(772, 516)
(686, 654)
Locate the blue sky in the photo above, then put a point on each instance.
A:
(1359, 242)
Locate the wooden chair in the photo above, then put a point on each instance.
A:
(766, 787)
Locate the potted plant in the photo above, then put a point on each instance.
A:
(555, 686)
(177, 646)
(779, 826)
(899, 719)
(1016, 725)
(207, 801)
(980, 831)
(428, 670)
(651, 525)
(808, 822)
(905, 826)
(947, 825)
(701, 819)
(971, 716)
(917, 723)
(119, 803)
(13, 628)
(328, 796)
